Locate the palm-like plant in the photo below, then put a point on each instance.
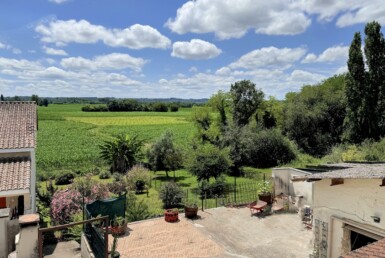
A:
(122, 152)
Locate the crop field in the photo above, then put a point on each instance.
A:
(68, 138)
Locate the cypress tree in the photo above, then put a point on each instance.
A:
(375, 94)
(355, 90)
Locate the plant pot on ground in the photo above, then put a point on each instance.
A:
(190, 210)
(265, 191)
(171, 215)
(118, 226)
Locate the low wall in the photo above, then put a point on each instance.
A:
(86, 248)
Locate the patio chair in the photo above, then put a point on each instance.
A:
(278, 205)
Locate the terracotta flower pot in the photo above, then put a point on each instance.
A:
(191, 212)
(171, 215)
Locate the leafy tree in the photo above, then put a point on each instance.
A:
(2, 97)
(375, 90)
(221, 102)
(365, 90)
(246, 99)
(45, 102)
(356, 119)
(36, 99)
(208, 161)
(204, 122)
(164, 155)
(269, 148)
(122, 152)
(314, 117)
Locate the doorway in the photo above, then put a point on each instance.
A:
(358, 240)
(3, 203)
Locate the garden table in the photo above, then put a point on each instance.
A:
(256, 207)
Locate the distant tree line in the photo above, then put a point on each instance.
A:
(130, 105)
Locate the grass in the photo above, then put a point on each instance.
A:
(68, 138)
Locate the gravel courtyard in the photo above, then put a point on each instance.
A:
(219, 232)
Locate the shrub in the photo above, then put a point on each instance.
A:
(64, 179)
(269, 148)
(171, 194)
(117, 177)
(159, 107)
(104, 175)
(91, 189)
(174, 108)
(65, 203)
(212, 190)
(138, 173)
(136, 210)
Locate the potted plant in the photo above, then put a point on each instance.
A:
(264, 191)
(190, 210)
(171, 215)
(118, 226)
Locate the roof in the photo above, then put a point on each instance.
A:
(349, 171)
(376, 249)
(15, 173)
(18, 124)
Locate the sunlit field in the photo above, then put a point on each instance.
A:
(68, 138)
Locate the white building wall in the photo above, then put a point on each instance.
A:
(353, 203)
(283, 184)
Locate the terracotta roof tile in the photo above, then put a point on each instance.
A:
(15, 173)
(18, 124)
(375, 250)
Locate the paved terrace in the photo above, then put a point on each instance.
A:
(219, 232)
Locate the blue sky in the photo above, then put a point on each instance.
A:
(184, 49)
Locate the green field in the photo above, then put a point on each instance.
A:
(68, 138)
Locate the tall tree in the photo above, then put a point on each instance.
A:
(122, 152)
(2, 97)
(375, 93)
(246, 99)
(36, 99)
(356, 119)
(164, 155)
(366, 90)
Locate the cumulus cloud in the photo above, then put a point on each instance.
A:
(114, 61)
(232, 19)
(196, 49)
(2, 45)
(348, 12)
(71, 31)
(281, 58)
(304, 77)
(55, 52)
(332, 54)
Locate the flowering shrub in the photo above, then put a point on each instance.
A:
(66, 203)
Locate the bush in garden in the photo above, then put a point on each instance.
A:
(171, 194)
(174, 108)
(212, 190)
(136, 174)
(104, 175)
(65, 204)
(269, 148)
(136, 210)
(64, 179)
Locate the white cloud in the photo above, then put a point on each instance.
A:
(19, 64)
(193, 69)
(114, 61)
(232, 19)
(281, 58)
(136, 37)
(196, 49)
(348, 12)
(3, 46)
(342, 69)
(223, 71)
(332, 54)
(53, 51)
(304, 77)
